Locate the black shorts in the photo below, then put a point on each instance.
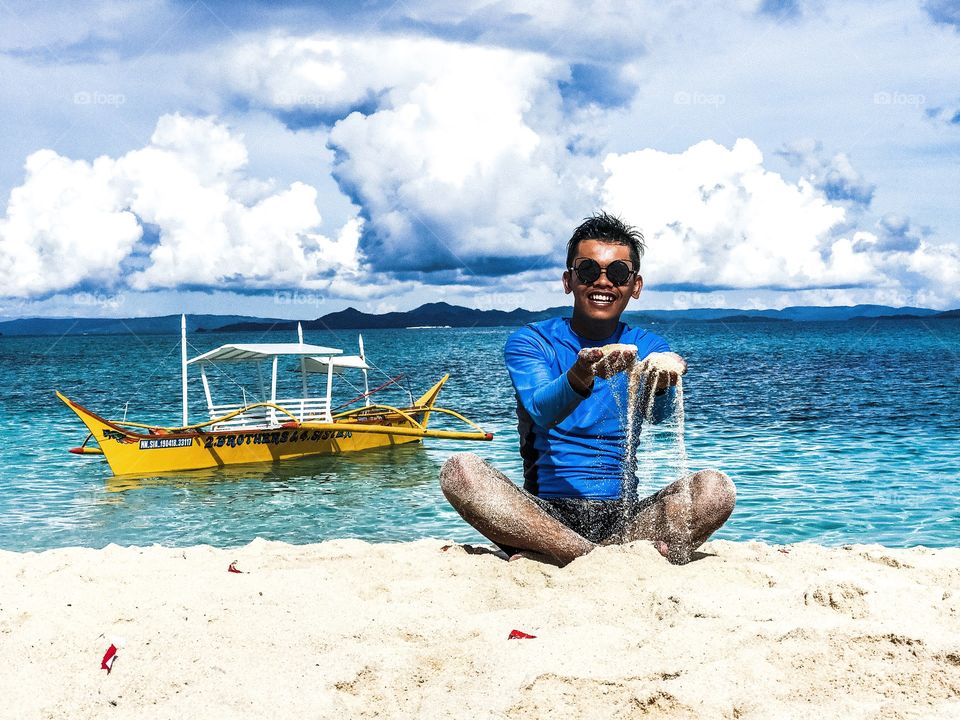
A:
(596, 520)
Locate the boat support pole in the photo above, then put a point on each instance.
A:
(303, 376)
(366, 382)
(273, 392)
(183, 366)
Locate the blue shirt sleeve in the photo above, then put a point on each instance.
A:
(546, 396)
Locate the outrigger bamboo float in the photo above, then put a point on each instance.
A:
(278, 429)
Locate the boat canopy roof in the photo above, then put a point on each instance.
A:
(262, 351)
(320, 364)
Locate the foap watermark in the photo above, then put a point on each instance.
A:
(496, 301)
(96, 97)
(902, 499)
(684, 300)
(99, 299)
(886, 97)
(291, 100)
(296, 297)
(685, 97)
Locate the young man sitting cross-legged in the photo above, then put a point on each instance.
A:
(572, 432)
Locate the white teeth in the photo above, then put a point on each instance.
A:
(601, 298)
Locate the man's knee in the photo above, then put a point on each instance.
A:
(460, 473)
(714, 493)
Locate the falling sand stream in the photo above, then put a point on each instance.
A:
(640, 464)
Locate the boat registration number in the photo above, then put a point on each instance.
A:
(165, 443)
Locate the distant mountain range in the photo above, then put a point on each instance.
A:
(443, 314)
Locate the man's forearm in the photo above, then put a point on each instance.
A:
(580, 379)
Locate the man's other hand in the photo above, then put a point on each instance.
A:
(667, 367)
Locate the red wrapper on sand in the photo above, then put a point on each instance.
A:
(109, 657)
(233, 568)
(518, 635)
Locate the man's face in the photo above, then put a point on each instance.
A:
(601, 300)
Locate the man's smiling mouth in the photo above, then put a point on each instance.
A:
(601, 298)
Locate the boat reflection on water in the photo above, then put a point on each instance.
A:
(395, 466)
(389, 494)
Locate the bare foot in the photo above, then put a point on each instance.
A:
(677, 555)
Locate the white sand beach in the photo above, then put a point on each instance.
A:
(350, 629)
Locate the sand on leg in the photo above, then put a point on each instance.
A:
(501, 512)
(681, 516)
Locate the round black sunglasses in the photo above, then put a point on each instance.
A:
(618, 272)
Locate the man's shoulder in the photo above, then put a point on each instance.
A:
(542, 330)
(543, 339)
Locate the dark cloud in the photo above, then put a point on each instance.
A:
(305, 117)
(598, 36)
(80, 35)
(946, 114)
(837, 186)
(419, 251)
(780, 9)
(594, 83)
(485, 272)
(592, 41)
(427, 250)
(834, 176)
(306, 111)
(435, 254)
(945, 12)
(139, 257)
(896, 233)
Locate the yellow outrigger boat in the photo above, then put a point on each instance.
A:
(279, 429)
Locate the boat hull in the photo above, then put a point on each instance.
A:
(146, 453)
(201, 450)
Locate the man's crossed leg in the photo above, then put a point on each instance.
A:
(677, 519)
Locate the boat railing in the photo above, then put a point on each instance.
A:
(253, 418)
(304, 409)
(316, 409)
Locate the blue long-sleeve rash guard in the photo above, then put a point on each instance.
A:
(572, 446)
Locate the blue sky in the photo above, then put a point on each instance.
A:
(287, 160)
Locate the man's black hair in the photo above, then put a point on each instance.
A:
(607, 228)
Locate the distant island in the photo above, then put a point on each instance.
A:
(441, 314)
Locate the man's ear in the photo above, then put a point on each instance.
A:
(566, 283)
(637, 287)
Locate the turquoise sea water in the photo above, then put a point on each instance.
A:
(833, 433)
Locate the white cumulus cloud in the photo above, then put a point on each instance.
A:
(715, 217)
(64, 225)
(74, 222)
(458, 156)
